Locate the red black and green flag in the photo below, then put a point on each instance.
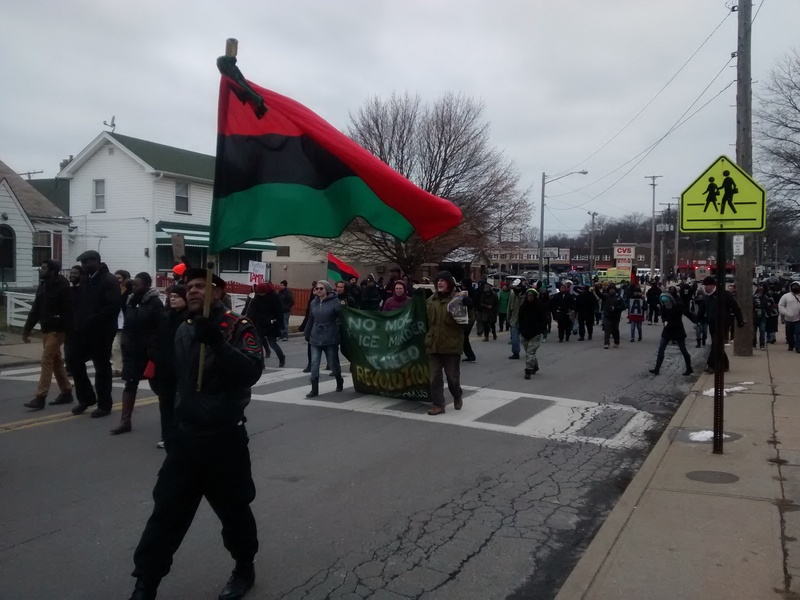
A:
(339, 270)
(289, 172)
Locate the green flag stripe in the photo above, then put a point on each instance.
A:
(275, 209)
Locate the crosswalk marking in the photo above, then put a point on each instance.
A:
(539, 416)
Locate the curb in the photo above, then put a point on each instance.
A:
(591, 562)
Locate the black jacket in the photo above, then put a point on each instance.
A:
(164, 356)
(371, 298)
(287, 299)
(653, 292)
(709, 310)
(52, 308)
(98, 299)
(561, 304)
(612, 306)
(673, 319)
(266, 313)
(532, 319)
(140, 333)
(586, 304)
(228, 374)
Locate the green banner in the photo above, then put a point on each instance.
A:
(386, 350)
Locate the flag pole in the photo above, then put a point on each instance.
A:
(231, 49)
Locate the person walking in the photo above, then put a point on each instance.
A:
(502, 307)
(95, 327)
(343, 292)
(266, 313)
(789, 309)
(139, 338)
(52, 310)
(371, 297)
(489, 304)
(287, 302)
(762, 310)
(697, 309)
(672, 312)
(515, 301)
(585, 306)
(207, 454)
(124, 279)
(303, 324)
(636, 311)
(613, 306)
(562, 305)
(532, 327)
(444, 340)
(709, 314)
(165, 381)
(652, 297)
(399, 297)
(322, 332)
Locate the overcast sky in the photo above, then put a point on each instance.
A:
(559, 78)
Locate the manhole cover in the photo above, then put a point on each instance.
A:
(712, 476)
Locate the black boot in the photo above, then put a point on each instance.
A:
(63, 398)
(36, 404)
(527, 373)
(339, 383)
(144, 590)
(307, 369)
(242, 579)
(314, 389)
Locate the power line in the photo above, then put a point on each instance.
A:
(647, 151)
(670, 80)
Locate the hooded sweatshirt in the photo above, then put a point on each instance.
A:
(789, 307)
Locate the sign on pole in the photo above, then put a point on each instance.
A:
(738, 245)
(178, 246)
(723, 198)
(624, 251)
(258, 271)
(549, 252)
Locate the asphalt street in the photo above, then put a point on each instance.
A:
(358, 496)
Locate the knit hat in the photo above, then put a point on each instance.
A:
(447, 277)
(177, 289)
(326, 285)
(262, 288)
(709, 281)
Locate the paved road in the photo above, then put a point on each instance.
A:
(358, 496)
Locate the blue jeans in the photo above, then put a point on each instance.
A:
(662, 346)
(285, 328)
(761, 325)
(636, 326)
(793, 335)
(331, 353)
(514, 339)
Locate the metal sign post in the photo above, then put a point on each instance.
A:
(719, 346)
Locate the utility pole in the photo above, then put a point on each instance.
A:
(653, 183)
(677, 231)
(743, 340)
(661, 250)
(664, 230)
(591, 248)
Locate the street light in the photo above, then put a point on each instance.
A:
(545, 181)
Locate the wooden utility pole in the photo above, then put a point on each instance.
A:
(653, 183)
(743, 340)
(591, 248)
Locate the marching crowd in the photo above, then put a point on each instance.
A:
(102, 317)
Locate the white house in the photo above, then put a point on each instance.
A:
(32, 229)
(128, 196)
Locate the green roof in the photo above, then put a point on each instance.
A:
(169, 159)
(56, 190)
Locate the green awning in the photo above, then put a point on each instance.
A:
(197, 236)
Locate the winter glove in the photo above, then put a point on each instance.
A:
(467, 301)
(207, 332)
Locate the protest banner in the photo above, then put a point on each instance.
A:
(258, 271)
(386, 350)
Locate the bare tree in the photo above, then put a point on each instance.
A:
(445, 149)
(778, 136)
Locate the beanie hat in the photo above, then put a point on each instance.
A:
(447, 277)
(177, 289)
(326, 285)
(262, 288)
(709, 281)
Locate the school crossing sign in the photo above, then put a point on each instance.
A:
(723, 198)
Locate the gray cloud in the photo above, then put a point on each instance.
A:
(558, 79)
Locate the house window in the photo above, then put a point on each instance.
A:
(181, 197)
(8, 253)
(42, 248)
(283, 250)
(237, 261)
(99, 203)
(606, 257)
(165, 261)
(502, 257)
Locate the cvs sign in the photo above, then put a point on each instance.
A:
(624, 251)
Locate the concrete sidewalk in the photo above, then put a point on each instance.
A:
(693, 524)
(14, 352)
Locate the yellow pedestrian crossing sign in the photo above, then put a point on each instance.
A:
(723, 198)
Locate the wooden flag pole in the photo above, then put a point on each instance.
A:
(231, 49)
